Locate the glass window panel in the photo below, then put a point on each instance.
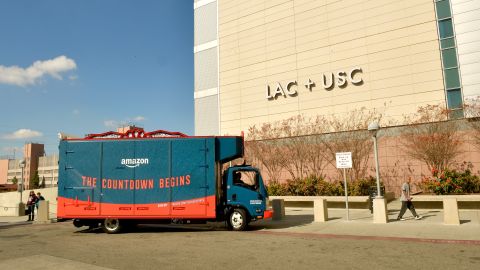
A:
(443, 9)
(449, 57)
(445, 27)
(448, 43)
(451, 78)
(456, 114)
(454, 98)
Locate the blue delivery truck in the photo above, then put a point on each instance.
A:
(118, 179)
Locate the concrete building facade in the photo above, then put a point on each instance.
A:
(3, 171)
(48, 170)
(266, 60)
(10, 168)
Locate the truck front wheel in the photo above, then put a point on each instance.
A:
(238, 220)
(111, 225)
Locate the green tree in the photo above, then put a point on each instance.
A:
(35, 180)
(14, 180)
(42, 185)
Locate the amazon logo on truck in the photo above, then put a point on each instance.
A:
(134, 162)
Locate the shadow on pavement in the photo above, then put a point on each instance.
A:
(160, 228)
(287, 222)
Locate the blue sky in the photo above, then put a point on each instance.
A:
(88, 66)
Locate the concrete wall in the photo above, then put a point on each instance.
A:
(466, 14)
(206, 68)
(395, 166)
(9, 201)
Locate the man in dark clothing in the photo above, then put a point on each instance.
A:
(39, 198)
(32, 200)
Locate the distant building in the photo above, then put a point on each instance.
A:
(3, 170)
(36, 161)
(126, 128)
(48, 169)
(10, 168)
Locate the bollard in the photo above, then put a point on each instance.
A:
(21, 210)
(450, 211)
(42, 215)
(320, 210)
(380, 210)
(278, 206)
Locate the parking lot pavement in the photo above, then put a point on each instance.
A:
(295, 243)
(300, 220)
(42, 262)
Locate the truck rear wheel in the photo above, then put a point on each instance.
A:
(111, 225)
(238, 220)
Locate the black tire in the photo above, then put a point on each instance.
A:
(77, 223)
(238, 220)
(112, 225)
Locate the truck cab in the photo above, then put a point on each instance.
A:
(245, 196)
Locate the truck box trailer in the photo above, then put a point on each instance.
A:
(117, 179)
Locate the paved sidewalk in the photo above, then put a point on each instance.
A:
(431, 227)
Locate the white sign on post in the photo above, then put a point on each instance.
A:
(344, 160)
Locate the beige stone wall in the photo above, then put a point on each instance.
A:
(263, 42)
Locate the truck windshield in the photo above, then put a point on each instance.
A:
(247, 179)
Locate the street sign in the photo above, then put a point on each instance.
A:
(344, 160)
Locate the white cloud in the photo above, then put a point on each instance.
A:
(110, 123)
(33, 74)
(139, 118)
(73, 77)
(23, 134)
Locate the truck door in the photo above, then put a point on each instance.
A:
(187, 181)
(150, 199)
(118, 184)
(80, 188)
(245, 190)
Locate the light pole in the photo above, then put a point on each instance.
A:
(373, 128)
(379, 203)
(22, 166)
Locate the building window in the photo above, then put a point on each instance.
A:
(447, 43)
(452, 80)
(443, 9)
(449, 57)
(454, 98)
(445, 28)
(453, 88)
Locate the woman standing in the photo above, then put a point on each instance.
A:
(32, 200)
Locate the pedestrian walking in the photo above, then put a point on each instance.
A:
(32, 200)
(407, 202)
